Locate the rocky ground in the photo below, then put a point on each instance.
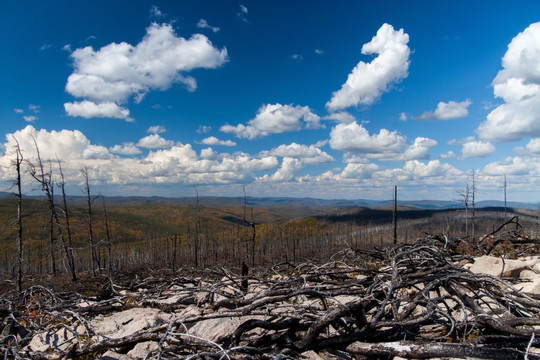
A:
(430, 299)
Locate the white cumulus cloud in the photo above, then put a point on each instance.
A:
(353, 137)
(65, 144)
(308, 154)
(509, 166)
(359, 170)
(341, 116)
(385, 146)
(534, 146)
(518, 85)
(156, 129)
(419, 149)
(89, 109)
(154, 141)
(447, 110)
(275, 119)
(286, 172)
(119, 71)
(477, 149)
(368, 81)
(212, 140)
(127, 148)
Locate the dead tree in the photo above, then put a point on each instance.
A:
(93, 256)
(504, 186)
(254, 231)
(69, 248)
(473, 198)
(465, 197)
(17, 164)
(108, 234)
(45, 180)
(197, 228)
(394, 216)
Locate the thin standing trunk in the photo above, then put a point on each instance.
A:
(505, 197)
(93, 257)
(108, 234)
(473, 206)
(18, 163)
(197, 225)
(69, 247)
(394, 216)
(51, 240)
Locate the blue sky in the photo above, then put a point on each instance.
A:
(305, 99)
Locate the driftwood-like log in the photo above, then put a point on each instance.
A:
(424, 350)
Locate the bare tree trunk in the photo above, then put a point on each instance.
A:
(51, 242)
(466, 200)
(394, 216)
(108, 234)
(473, 206)
(18, 163)
(94, 259)
(254, 233)
(197, 225)
(174, 253)
(253, 236)
(504, 197)
(69, 248)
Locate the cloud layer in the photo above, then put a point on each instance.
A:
(275, 119)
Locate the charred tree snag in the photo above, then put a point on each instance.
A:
(94, 258)
(45, 180)
(18, 162)
(69, 248)
(108, 235)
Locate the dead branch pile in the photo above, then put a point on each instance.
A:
(415, 301)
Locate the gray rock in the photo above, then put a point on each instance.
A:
(218, 329)
(142, 349)
(491, 265)
(111, 355)
(129, 322)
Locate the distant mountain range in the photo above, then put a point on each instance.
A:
(307, 203)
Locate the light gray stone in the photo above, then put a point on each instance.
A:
(111, 355)
(491, 265)
(62, 339)
(218, 329)
(142, 349)
(129, 322)
(310, 355)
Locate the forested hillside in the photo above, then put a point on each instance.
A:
(129, 233)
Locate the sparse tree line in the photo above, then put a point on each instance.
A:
(74, 239)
